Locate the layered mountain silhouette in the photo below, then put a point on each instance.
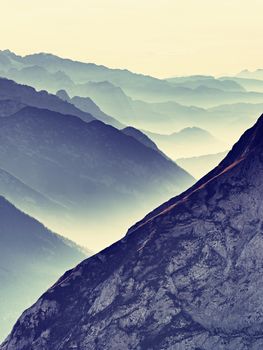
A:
(137, 86)
(197, 81)
(39, 77)
(249, 84)
(140, 136)
(201, 165)
(187, 142)
(142, 101)
(86, 170)
(188, 276)
(257, 74)
(26, 198)
(87, 105)
(9, 107)
(31, 259)
(23, 94)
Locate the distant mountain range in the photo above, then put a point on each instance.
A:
(199, 166)
(141, 137)
(143, 102)
(187, 142)
(84, 170)
(257, 74)
(31, 259)
(86, 104)
(26, 198)
(26, 95)
(194, 82)
(188, 276)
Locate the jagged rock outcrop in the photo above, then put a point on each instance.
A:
(188, 276)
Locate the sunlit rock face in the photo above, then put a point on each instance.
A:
(188, 276)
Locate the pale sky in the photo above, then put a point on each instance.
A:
(157, 37)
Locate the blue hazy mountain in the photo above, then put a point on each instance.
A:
(26, 198)
(31, 259)
(248, 83)
(111, 98)
(91, 169)
(201, 165)
(141, 101)
(141, 137)
(9, 90)
(40, 78)
(257, 74)
(86, 104)
(188, 276)
(187, 142)
(196, 81)
(9, 107)
(212, 92)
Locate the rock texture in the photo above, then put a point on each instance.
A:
(188, 276)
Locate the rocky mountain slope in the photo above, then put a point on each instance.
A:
(188, 276)
(31, 259)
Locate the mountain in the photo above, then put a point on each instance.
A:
(31, 259)
(9, 107)
(201, 165)
(141, 101)
(25, 198)
(9, 90)
(141, 137)
(187, 142)
(82, 73)
(247, 83)
(90, 80)
(257, 74)
(40, 78)
(188, 276)
(86, 104)
(109, 97)
(92, 170)
(194, 82)
(137, 86)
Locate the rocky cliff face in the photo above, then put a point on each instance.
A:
(189, 276)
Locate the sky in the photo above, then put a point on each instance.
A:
(157, 37)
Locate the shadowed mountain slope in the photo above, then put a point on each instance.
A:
(86, 104)
(90, 169)
(9, 90)
(140, 136)
(31, 259)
